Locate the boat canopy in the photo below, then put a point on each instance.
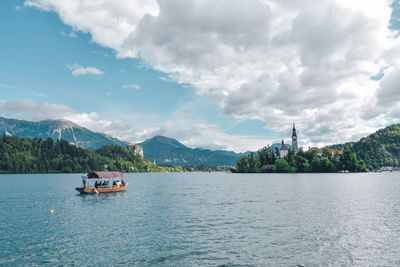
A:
(104, 175)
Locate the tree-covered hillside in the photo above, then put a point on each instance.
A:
(381, 148)
(26, 155)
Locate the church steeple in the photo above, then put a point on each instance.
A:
(294, 130)
(294, 139)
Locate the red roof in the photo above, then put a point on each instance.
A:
(340, 152)
(284, 147)
(104, 175)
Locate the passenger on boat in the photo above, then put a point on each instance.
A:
(114, 183)
(84, 180)
(123, 182)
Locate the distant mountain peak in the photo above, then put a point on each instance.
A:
(57, 129)
(61, 123)
(165, 150)
(163, 140)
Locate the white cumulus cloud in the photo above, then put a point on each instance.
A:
(78, 70)
(309, 61)
(133, 86)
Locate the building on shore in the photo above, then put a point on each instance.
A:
(316, 149)
(320, 152)
(283, 150)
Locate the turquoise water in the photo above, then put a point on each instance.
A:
(184, 219)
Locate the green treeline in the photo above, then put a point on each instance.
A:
(381, 148)
(26, 155)
(267, 161)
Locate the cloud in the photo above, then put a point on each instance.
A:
(389, 91)
(133, 86)
(31, 110)
(70, 34)
(78, 70)
(274, 60)
(38, 5)
(108, 22)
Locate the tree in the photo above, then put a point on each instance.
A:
(302, 164)
(326, 152)
(348, 160)
(243, 164)
(361, 166)
(327, 166)
(281, 165)
(254, 165)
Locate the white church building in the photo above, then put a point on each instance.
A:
(284, 150)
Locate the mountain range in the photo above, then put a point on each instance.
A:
(57, 129)
(168, 151)
(159, 149)
(378, 149)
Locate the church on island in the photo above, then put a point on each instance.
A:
(282, 150)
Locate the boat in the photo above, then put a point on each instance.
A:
(102, 182)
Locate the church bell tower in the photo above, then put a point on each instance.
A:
(294, 139)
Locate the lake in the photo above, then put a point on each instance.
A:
(185, 219)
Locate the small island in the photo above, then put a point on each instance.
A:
(286, 159)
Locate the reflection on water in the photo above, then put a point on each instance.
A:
(183, 219)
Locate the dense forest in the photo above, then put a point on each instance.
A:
(26, 155)
(266, 160)
(381, 148)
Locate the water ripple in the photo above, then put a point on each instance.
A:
(203, 219)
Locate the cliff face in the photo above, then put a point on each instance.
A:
(137, 149)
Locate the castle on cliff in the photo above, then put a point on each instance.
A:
(137, 149)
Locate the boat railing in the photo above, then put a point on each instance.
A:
(105, 186)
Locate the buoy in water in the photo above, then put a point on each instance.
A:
(51, 211)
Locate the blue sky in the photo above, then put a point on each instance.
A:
(37, 49)
(35, 55)
(194, 92)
